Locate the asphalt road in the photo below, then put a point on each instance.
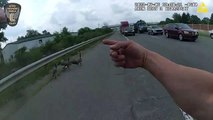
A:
(99, 91)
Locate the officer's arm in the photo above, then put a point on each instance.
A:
(192, 89)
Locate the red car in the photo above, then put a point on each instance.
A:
(180, 31)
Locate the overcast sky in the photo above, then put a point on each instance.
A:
(52, 15)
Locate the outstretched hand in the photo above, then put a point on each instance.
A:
(127, 54)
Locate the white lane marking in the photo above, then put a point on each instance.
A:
(186, 116)
(125, 37)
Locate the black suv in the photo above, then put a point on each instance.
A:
(180, 31)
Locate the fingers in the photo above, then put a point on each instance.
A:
(113, 54)
(116, 55)
(117, 51)
(119, 60)
(120, 45)
(109, 42)
(115, 45)
(121, 51)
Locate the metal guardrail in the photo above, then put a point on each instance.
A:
(14, 77)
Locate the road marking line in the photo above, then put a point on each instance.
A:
(126, 37)
(185, 115)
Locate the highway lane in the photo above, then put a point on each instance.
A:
(99, 91)
(194, 54)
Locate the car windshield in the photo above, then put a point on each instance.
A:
(54, 66)
(184, 26)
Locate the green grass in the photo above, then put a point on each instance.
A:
(204, 33)
(16, 90)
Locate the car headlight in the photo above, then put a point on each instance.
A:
(185, 32)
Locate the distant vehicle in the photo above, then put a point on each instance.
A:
(154, 29)
(129, 31)
(211, 34)
(140, 27)
(180, 31)
(123, 26)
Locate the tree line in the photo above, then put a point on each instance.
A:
(188, 19)
(3, 24)
(33, 33)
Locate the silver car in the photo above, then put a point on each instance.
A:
(152, 30)
(129, 31)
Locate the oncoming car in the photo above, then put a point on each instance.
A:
(180, 31)
(154, 29)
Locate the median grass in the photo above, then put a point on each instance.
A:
(16, 90)
(203, 33)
